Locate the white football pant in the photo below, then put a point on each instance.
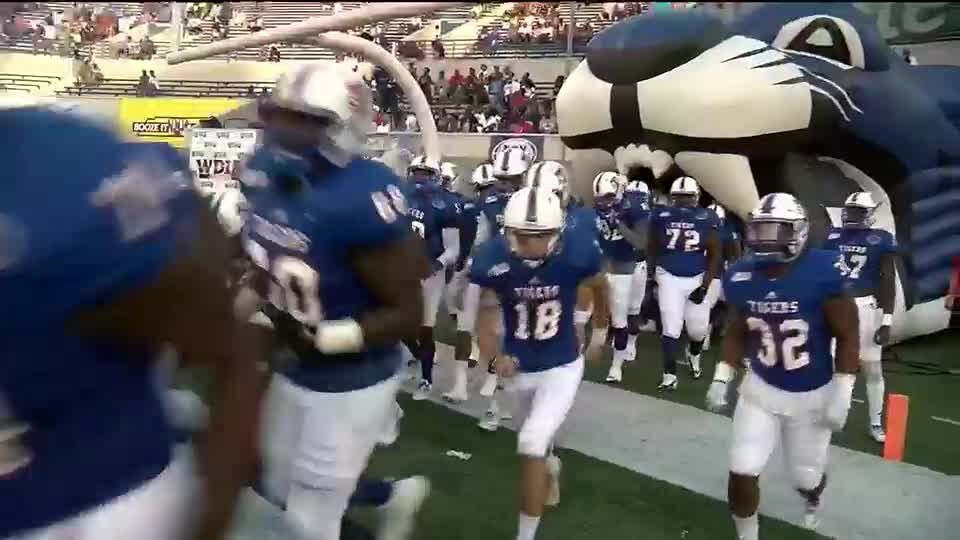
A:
(765, 417)
(315, 445)
(626, 296)
(714, 295)
(639, 288)
(871, 317)
(676, 309)
(433, 287)
(543, 400)
(160, 509)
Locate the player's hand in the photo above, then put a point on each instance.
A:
(882, 335)
(506, 366)
(435, 266)
(698, 295)
(838, 405)
(717, 396)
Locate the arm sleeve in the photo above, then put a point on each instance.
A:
(480, 269)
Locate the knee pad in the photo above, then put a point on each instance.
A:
(532, 444)
(872, 371)
(806, 478)
(634, 322)
(619, 338)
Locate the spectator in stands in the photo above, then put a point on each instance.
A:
(483, 74)
(495, 90)
(153, 84)
(443, 87)
(147, 48)
(438, 50)
(456, 80)
(251, 92)
(264, 92)
(256, 25)
(426, 84)
(274, 54)
(142, 83)
(527, 82)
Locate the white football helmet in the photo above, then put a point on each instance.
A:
(509, 167)
(532, 222)
(231, 208)
(328, 108)
(550, 175)
(777, 229)
(448, 174)
(685, 191)
(482, 177)
(423, 170)
(719, 210)
(638, 193)
(607, 190)
(858, 210)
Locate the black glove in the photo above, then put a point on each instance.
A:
(698, 294)
(882, 336)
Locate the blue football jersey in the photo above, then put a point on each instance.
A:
(862, 250)
(469, 220)
(581, 219)
(99, 221)
(538, 303)
(304, 237)
(431, 210)
(492, 204)
(789, 342)
(682, 234)
(615, 247)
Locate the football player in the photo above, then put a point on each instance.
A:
(435, 218)
(636, 207)
(731, 249)
(787, 303)
(508, 169)
(684, 248)
(619, 244)
(870, 254)
(96, 279)
(322, 229)
(534, 269)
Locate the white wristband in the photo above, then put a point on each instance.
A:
(724, 372)
(598, 337)
(887, 319)
(581, 317)
(339, 337)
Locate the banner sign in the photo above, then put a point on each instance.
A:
(217, 156)
(168, 119)
(531, 146)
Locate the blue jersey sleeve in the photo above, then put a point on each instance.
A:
(832, 242)
(111, 222)
(448, 211)
(376, 209)
(487, 265)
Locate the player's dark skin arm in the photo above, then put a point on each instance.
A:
(714, 256)
(392, 273)
(841, 315)
(189, 306)
(731, 348)
(887, 291)
(600, 292)
(636, 236)
(731, 251)
(653, 241)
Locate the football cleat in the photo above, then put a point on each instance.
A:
(554, 465)
(423, 391)
(615, 374)
(398, 515)
(877, 434)
(669, 382)
(694, 361)
(490, 421)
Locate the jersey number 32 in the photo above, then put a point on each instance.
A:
(786, 346)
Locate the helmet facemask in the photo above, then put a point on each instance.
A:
(533, 247)
(776, 240)
(307, 135)
(860, 217)
(688, 200)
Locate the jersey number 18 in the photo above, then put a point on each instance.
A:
(544, 323)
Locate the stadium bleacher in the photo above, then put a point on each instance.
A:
(13, 82)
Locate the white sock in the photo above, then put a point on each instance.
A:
(527, 526)
(461, 372)
(875, 391)
(474, 350)
(748, 528)
(617, 359)
(631, 345)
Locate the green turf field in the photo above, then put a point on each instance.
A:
(476, 499)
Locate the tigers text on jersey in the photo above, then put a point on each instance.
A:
(615, 247)
(862, 250)
(538, 303)
(788, 345)
(304, 238)
(682, 234)
(431, 209)
(83, 421)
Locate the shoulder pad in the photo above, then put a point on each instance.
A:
(498, 269)
(665, 213)
(491, 199)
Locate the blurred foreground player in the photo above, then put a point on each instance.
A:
(535, 269)
(787, 303)
(121, 259)
(323, 229)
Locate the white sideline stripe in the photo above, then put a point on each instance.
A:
(945, 420)
(855, 400)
